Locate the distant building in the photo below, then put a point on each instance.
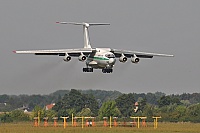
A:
(2, 105)
(50, 106)
(24, 108)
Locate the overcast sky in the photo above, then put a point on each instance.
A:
(167, 26)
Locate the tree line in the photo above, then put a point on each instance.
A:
(99, 103)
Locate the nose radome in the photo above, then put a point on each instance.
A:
(112, 61)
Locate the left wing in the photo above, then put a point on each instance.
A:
(59, 52)
(130, 54)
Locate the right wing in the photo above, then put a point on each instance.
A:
(59, 52)
(129, 54)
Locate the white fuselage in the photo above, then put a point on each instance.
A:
(101, 59)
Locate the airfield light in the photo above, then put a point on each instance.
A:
(72, 119)
(45, 121)
(88, 122)
(35, 121)
(105, 121)
(65, 121)
(134, 123)
(124, 123)
(38, 118)
(81, 120)
(55, 121)
(144, 121)
(93, 123)
(155, 121)
(110, 122)
(75, 123)
(115, 121)
(138, 120)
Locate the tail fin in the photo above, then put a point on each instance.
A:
(85, 30)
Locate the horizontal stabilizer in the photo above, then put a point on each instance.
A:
(84, 24)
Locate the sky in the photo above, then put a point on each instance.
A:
(167, 26)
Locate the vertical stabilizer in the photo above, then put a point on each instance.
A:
(86, 36)
(85, 30)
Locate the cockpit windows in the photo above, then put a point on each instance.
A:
(110, 55)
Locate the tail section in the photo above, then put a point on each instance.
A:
(86, 36)
(85, 30)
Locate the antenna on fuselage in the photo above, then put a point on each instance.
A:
(85, 30)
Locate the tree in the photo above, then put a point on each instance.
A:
(4, 98)
(164, 100)
(151, 98)
(85, 112)
(5, 117)
(148, 111)
(74, 102)
(19, 115)
(38, 111)
(50, 114)
(193, 113)
(108, 109)
(175, 99)
(125, 104)
(181, 110)
(142, 104)
(102, 94)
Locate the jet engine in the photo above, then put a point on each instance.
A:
(82, 57)
(67, 58)
(123, 58)
(135, 59)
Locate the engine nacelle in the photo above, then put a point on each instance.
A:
(67, 58)
(82, 57)
(123, 58)
(135, 59)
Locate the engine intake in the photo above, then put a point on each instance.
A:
(82, 57)
(135, 59)
(123, 58)
(67, 58)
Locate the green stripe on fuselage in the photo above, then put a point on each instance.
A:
(99, 58)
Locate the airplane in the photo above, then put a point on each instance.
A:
(95, 58)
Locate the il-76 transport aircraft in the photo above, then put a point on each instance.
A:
(95, 58)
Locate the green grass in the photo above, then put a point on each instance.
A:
(162, 128)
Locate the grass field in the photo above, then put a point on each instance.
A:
(162, 128)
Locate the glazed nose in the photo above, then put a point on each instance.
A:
(112, 61)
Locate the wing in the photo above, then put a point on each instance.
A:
(59, 52)
(130, 54)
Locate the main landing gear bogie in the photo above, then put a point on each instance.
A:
(107, 70)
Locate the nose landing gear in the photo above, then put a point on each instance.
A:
(87, 69)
